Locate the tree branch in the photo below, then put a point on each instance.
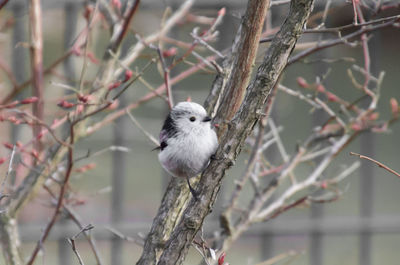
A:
(239, 128)
(379, 164)
(243, 53)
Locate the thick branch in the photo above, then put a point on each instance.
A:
(242, 124)
(243, 55)
(9, 239)
(174, 201)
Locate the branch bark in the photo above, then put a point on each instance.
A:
(242, 58)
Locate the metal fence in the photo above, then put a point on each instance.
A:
(316, 226)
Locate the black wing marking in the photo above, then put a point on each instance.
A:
(168, 130)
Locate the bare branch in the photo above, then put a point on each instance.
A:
(376, 162)
(151, 137)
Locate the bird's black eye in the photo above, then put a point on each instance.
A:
(192, 119)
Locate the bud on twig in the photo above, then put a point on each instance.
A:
(222, 11)
(170, 52)
(114, 85)
(65, 104)
(116, 4)
(320, 88)
(29, 100)
(128, 75)
(92, 57)
(8, 145)
(221, 258)
(85, 168)
(83, 98)
(302, 82)
(395, 107)
(331, 97)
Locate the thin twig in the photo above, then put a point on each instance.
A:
(111, 117)
(298, 95)
(72, 242)
(76, 219)
(143, 130)
(167, 80)
(60, 199)
(341, 40)
(124, 237)
(10, 168)
(376, 162)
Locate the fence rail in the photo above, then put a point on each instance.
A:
(331, 226)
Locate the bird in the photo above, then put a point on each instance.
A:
(187, 142)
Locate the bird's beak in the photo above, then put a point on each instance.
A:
(206, 119)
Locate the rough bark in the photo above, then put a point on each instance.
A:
(10, 239)
(243, 53)
(172, 205)
(241, 60)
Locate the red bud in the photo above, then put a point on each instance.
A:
(83, 98)
(35, 154)
(29, 100)
(116, 3)
(8, 145)
(170, 52)
(302, 82)
(128, 75)
(394, 106)
(2, 160)
(324, 185)
(14, 120)
(222, 11)
(320, 88)
(76, 50)
(356, 127)
(40, 135)
(65, 104)
(85, 168)
(221, 258)
(114, 105)
(92, 58)
(18, 144)
(114, 85)
(88, 11)
(331, 97)
(373, 116)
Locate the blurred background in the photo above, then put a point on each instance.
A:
(124, 189)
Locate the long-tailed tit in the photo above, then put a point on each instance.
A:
(187, 141)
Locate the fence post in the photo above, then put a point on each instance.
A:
(118, 176)
(19, 62)
(367, 170)
(71, 18)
